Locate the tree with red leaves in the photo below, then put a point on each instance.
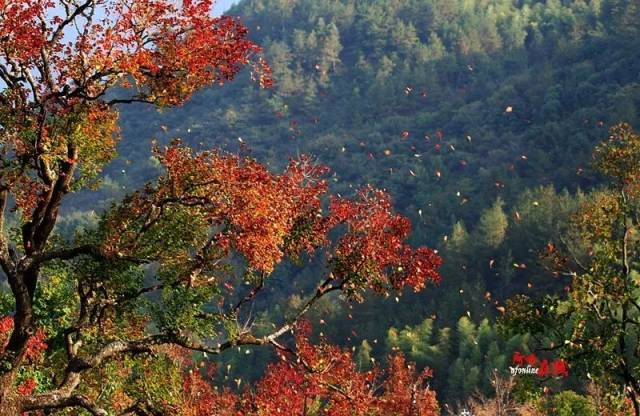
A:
(316, 380)
(179, 264)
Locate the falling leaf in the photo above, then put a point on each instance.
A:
(551, 248)
(509, 109)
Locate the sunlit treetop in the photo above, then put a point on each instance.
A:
(619, 156)
(63, 52)
(60, 61)
(266, 217)
(262, 215)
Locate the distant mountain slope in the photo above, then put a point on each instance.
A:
(425, 97)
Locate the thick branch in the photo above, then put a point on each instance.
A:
(61, 188)
(57, 400)
(84, 250)
(77, 366)
(5, 259)
(116, 101)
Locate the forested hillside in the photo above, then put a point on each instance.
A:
(479, 117)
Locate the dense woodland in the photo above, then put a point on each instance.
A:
(480, 119)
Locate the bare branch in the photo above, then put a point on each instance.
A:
(84, 250)
(246, 338)
(57, 34)
(251, 295)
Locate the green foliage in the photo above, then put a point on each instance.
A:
(363, 356)
(492, 227)
(569, 403)
(57, 299)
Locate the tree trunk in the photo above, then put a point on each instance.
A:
(23, 287)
